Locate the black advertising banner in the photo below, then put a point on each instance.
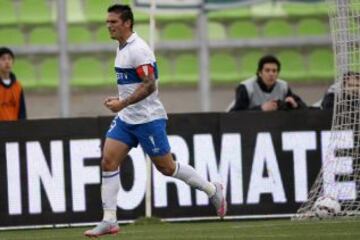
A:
(50, 169)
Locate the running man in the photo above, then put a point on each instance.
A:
(141, 119)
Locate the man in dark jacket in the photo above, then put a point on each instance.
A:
(265, 91)
(350, 93)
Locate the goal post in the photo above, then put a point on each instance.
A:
(339, 176)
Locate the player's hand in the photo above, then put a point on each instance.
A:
(114, 104)
(269, 106)
(292, 102)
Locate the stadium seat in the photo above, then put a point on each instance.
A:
(294, 9)
(78, 34)
(177, 31)
(164, 69)
(223, 68)
(75, 13)
(87, 71)
(143, 31)
(249, 62)
(102, 35)
(11, 37)
(49, 73)
(321, 65)
(230, 14)
(43, 35)
(7, 12)
(34, 11)
(243, 29)
(216, 31)
(312, 27)
(109, 74)
(268, 9)
(277, 28)
(96, 11)
(24, 71)
(292, 66)
(186, 69)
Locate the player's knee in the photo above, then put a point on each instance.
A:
(166, 170)
(107, 164)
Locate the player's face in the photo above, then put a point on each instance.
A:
(117, 28)
(269, 74)
(6, 63)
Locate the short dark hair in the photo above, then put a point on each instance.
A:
(5, 50)
(267, 59)
(124, 11)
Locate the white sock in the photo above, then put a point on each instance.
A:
(109, 189)
(191, 177)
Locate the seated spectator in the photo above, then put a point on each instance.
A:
(12, 102)
(351, 86)
(265, 91)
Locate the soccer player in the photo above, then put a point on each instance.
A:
(141, 119)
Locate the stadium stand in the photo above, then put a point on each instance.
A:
(11, 36)
(292, 66)
(43, 35)
(164, 68)
(7, 13)
(49, 73)
(21, 25)
(91, 10)
(87, 71)
(277, 28)
(177, 31)
(102, 35)
(75, 13)
(243, 29)
(216, 31)
(249, 61)
(25, 72)
(34, 12)
(223, 68)
(321, 65)
(311, 27)
(186, 69)
(79, 34)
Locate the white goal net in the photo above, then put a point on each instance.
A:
(339, 177)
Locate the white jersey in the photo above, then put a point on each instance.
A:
(134, 54)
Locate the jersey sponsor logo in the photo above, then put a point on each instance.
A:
(126, 76)
(121, 76)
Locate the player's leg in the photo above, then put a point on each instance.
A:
(152, 137)
(116, 147)
(167, 166)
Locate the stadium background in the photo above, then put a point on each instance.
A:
(307, 63)
(298, 33)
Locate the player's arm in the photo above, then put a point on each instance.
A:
(147, 74)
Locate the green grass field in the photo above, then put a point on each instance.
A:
(267, 230)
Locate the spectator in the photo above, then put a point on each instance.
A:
(12, 102)
(350, 91)
(265, 91)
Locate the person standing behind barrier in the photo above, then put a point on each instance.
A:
(12, 101)
(350, 93)
(141, 118)
(265, 91)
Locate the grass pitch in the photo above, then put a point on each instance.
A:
(256, 230)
